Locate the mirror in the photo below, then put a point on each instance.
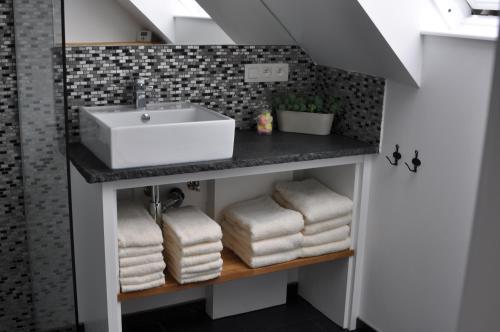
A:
(182, 22)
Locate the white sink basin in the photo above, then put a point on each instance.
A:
(175, 133)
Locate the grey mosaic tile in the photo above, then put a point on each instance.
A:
(15, 285)
(214, 77)
(209, 75)
(44, 165)
(363, 98)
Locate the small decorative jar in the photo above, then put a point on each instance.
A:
(265, 123)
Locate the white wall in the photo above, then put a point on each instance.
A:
(199, 31)
(419, 225)
(98, 21)
(247, 22)
(402, 31)
(158, 16)
(341, 34)
(481, 298)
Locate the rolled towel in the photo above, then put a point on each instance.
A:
(194, 250)
(174, 267)
(334, 235)
(141, 270)
(262, 218)
(140, 260)
(147, 285)
(190, 226)
(263, 247)
(259, 261)
(136, 228)
(326, 248)
(185, 261)
(313, 199)
(323, 226)
(130, 281)
(196, 278)
(139, 251)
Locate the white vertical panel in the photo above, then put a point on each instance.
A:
(95, 255)
(420, 224)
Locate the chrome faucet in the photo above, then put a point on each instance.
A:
(140, 94)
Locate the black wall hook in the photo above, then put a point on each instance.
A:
(416, 163)
(396, 155)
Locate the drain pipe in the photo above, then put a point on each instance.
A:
(155, 204)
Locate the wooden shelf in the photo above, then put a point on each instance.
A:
(234, 269)
(131, 43)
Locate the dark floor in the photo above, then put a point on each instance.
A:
(296, 315)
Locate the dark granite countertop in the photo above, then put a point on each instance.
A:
(250, 150)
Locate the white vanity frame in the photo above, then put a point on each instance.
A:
(95, 237)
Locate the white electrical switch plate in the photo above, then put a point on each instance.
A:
(266, 72)
(253, 73)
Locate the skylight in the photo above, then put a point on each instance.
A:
(484, 7)
(484, 4)
(467, 18)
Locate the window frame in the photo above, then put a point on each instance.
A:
(484, 4)
(458, 16)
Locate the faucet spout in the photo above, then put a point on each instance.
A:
(140, 94)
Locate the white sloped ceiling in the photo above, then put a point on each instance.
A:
(380, 38)
(247, 22)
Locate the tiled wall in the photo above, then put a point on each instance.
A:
(36, 292)
(214, 76)
(363, 100)
(15, 287)
(45, 179)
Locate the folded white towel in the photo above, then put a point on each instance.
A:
(263, 247)
(147, 285)
(173, 267)
(139, 251)
(193, 275)
(196, 278)
(142, 279)
(185, 261)
(313, 199)
(141, 270)
(324, 226)
(136, 228)
(326, 248)
(259, 261)
(140, 260)
(190, 226)
(197, 249)
(333, 235)
(262, 218)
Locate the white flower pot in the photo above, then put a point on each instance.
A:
(305, 123)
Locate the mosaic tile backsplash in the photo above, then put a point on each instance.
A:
(15, 285)
(363, 100)
(214, 77)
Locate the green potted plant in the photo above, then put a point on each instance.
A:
(306, 114)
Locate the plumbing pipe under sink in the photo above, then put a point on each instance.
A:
(174, 199)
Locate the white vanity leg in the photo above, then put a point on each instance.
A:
(110, 223)
(362, 220)
(96, 260)
(351, 266)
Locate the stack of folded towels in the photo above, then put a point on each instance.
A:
(327, 215)
(140, 249)
(192, 245)
(261, 232)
